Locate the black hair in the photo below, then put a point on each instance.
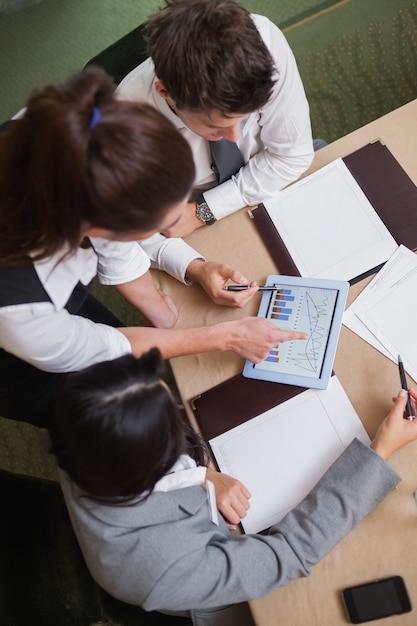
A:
(116, 429)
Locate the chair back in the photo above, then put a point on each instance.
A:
(123, 55)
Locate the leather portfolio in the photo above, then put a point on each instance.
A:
(394, 197)
(388, 188)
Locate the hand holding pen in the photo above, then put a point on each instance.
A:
(245, 287)
(410, 413)
(213, 277)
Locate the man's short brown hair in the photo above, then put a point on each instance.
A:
(210, 56)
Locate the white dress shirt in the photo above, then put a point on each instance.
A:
(45, 334)
(184, 473)
(172, 255)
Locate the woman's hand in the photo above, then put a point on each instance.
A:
(250, 337)
(232, 497)
(395, 432)
(254, 337)
(158, 307)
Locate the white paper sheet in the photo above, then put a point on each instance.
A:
(282, 453)
(397, 266)
(329, 226)
(387, 310)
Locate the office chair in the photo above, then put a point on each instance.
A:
(122, 56)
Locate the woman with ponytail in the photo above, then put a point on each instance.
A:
(83, 178)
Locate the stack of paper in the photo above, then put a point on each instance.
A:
(384, 314)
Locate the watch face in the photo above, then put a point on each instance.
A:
(204, 213)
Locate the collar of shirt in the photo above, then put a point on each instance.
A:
(60, 273)
(184, 473)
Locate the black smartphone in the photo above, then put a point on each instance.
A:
(376, 599)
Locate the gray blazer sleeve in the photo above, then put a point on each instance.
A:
(250, 566)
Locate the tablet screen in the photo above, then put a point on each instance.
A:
(311, 305)
(309, 310)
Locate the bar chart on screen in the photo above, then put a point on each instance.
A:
(306, 309)
(281, 309)
(313, 306)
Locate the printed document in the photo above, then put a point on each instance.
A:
(329, 227)
(384, 313)
(281, 454)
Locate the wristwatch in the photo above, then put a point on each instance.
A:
(203, 212)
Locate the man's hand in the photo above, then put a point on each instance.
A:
(186, 224)
(213, 277)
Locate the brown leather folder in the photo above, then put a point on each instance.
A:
(236, 401)
(394, 197)
(388, 188)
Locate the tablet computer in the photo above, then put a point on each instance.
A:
(311, 305)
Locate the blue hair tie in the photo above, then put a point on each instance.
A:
(95, 118)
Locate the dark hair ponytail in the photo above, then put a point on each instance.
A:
(80, 157)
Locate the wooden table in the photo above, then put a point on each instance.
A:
(385, 543)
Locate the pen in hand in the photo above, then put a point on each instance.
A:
(245, 287)
(409, 408)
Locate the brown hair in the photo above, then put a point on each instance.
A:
(210, 56)
(61, 172)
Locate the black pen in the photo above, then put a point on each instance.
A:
(244, 287)
(409, 408)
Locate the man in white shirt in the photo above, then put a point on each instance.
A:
(223, 75)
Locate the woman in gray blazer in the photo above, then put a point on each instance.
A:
(141, 502)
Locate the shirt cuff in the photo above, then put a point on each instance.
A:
(224, 199)
(171, 255)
